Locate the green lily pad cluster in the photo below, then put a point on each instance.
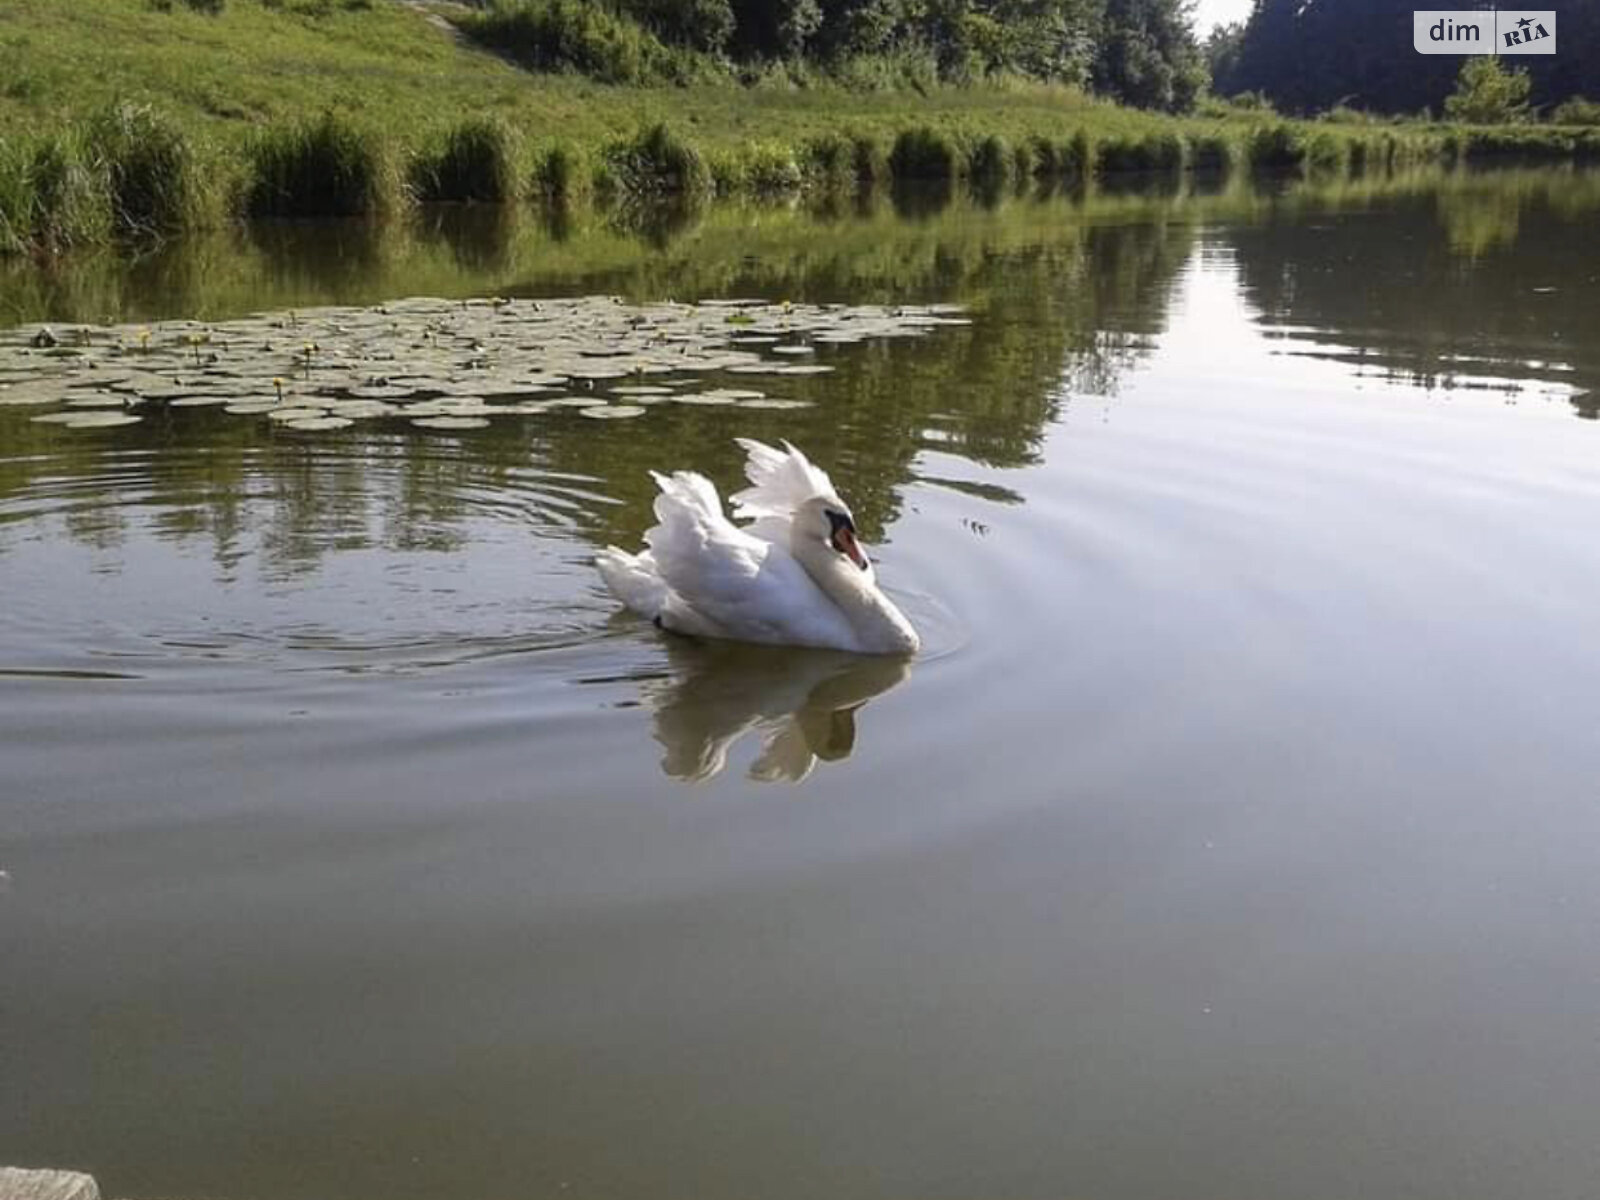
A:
(443, 365)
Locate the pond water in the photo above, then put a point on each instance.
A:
(1234, 836)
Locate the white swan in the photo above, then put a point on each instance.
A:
(796, 575)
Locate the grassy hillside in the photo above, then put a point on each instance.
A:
(124, 118)
(386, 62)
(252, 63)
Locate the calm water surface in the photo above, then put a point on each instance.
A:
(1235, 838)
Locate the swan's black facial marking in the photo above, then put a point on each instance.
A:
(842, 537)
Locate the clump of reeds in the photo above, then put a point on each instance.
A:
(770, 169)
(654, 162)
(1078, 155)
(51, 195)
(1213, 152)
(1161, 151)
(561, 174)
(1049, 158)
(474, 161)
(991, 163)
(828, 162)
(925, 153)
(1276, 147)
(1328, 152)
(870, 160)
(149, 173)
(322, 168)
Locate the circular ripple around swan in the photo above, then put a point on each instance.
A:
(292, 555)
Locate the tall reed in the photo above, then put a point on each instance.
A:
(474, 161)
(151, 181)
(322, 168)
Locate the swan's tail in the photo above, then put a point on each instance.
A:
(685, 508)
(780, 481)
(685, 496)
(633, 579)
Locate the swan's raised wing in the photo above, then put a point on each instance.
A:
(724, 583)
(780, 481)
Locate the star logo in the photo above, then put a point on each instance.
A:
(1525, 22)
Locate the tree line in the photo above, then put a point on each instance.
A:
(1309, 56)
(1141, 52)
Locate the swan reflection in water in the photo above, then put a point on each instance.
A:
(802, 703)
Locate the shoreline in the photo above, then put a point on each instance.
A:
(130, 177)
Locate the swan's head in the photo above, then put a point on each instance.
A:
(826, 519)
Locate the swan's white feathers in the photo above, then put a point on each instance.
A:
(704, 576)
(780, 481)
(633, 579)
(770, 529)
(719, 581)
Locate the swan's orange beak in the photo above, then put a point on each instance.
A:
(844, 541)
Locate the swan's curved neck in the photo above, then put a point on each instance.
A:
(881, 627)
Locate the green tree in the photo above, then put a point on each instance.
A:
(1488, 94)
(1310, 55)
(699, 24)
(1222, 50)
(1147, 55)
(1049, 39)
(852, 27)
(775, 28)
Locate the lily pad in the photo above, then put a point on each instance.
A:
(97, 400)
(361, 410)
(32, 393)
(450, 423)
(89, 420)
(451, 361)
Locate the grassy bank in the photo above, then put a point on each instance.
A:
(121, 120)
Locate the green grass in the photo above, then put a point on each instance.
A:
(225, 108)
